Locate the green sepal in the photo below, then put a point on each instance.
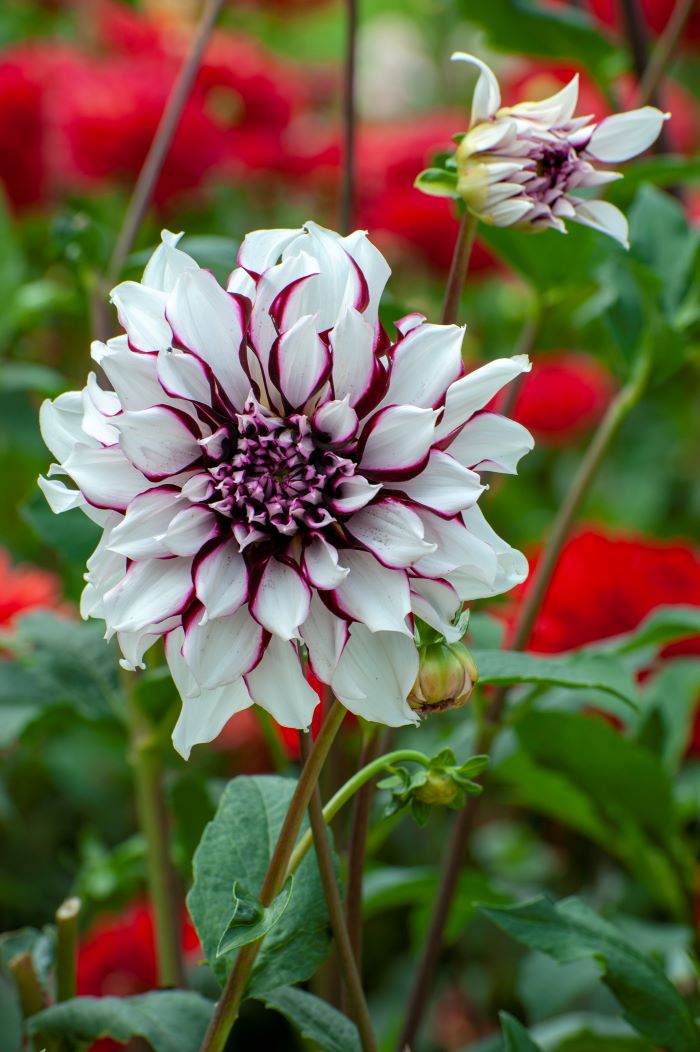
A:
(437, 182)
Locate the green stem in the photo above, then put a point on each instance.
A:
(347, 791)
(230, 1001)
(153, 820)
(346, 957)
(272, 739)
(67, 948)
(458, 268)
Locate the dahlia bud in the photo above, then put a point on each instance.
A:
(446, 678)
(439, 789)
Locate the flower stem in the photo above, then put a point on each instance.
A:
(153, 819)
(347, 791)
(618, 410)
(346, 957)
(153, 164)
(230, 1001)
(67, 948)
(458, 268)
(663, 52)
(635, 30)
(362, 809)
(347, 194)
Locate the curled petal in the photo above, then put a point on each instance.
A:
(487, 94)
(167, 263)
(335, 422)
(141, 312)
(625, 135)
(601, 215)
(261, 249)
(472, 392)
(322, 565)
(374, 675)
(436, 603)
(490, 442)
(396, 442)
(300, 362)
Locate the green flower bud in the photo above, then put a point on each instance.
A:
(446, 678)
(439, 789)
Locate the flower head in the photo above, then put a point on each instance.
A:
(525, 165)
(271, 471)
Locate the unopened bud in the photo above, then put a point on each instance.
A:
(446, 678)
(439, 789)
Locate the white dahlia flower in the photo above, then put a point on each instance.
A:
(273, 474)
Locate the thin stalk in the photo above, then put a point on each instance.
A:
(664, 51)
(618, 410)
(346, 957)
(163, 884)
(347, 791)
(272, 739)
(155, 159)
(67, 948)
(31, 998)
(362, 810)
(229, 1004)
(458, 268)
(526, 343)
(635, 31)
(347, 193)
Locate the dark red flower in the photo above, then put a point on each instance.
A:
(22, 167)
(25, 588)
(655, 13)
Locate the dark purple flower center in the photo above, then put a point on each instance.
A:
(554, 163)
(271, 475)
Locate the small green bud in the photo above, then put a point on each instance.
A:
(446, 678)
(439, 789)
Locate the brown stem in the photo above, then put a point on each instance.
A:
(67, 948)
(346, 957)
(31, 998)
(664, 51)
(347, 195)
(635, 31)
(372, 746)
(229, 1003)
(153, 164)
(458, 268)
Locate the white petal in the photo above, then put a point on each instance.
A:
(183, 375)
(444, 485)
(325, 636)
(455, 547)
(300, 362)
(554, 111)
(373, 594)
(241, 283)
(397, 440)
(391, 531)
(489, 442)
(133, 376)
(473, 391)
(352, 341)
(425, 363)
(321, 565)
(436, 603)
(601, 215)
(98, 407)
(336, 422)
(625, 135)
(487, 94)
(409, 322)
(61, 423)
(262, 248)
(150, 592)
(375, 674)
(209, 322)
(204, 712)
(134, 645)
(189, 531)
(167, 263)
(221, 580)
(222, 649)
(138, 535)
(338, 284)
(352, 494)
(375, 269)
(158, 441)
(105, 476)
(278, 685)
(141, 313)
(506, 213)
(511, 565)
(59, 497)
(276, 285)
(281, 601)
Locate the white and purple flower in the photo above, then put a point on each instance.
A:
(272, 472)
(527, 165)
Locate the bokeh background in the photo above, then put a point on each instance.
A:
(82, 88)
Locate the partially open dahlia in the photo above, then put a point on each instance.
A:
(274, 475)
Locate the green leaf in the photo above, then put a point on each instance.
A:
(570, 931)
(661, 238)
(315, 1019)
(437, 182)
(250, 919)
(669, 703)
(30, 376)
(579, 670)
(169, 1020)
(10, 1011)
(666, 624)
(237, 846)
(515, 1036)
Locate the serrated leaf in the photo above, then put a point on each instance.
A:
(237, 846)
(577, 670)
(570, 931)
(251, 920)
(515, 1036)
(315, 1019)
(169, 1020)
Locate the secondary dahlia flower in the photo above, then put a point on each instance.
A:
(525, 165)
(272, 473)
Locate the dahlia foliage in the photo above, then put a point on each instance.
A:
(526, 165)
(275, 476)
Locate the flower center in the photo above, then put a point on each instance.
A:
(553, 165)
(271, 476)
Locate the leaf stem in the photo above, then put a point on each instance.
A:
(230, 1001)
(458, 268)
(153, 164)
(347, 791)
(361, 812)
(153, 820)
(346, 957)
(67, 916)
(347, 193)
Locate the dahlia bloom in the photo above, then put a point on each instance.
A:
(523, 165)
(271, 471)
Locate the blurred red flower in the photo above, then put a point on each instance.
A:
(655, 13)
(24, 588)
(22, 171)
(564, 396)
